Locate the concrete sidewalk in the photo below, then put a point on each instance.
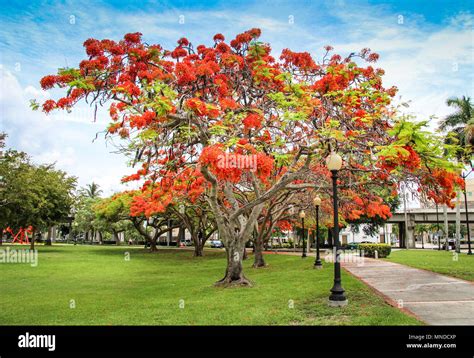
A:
(435, 299)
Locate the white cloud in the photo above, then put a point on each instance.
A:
(420, 58)
(63, 139)
(428, 64)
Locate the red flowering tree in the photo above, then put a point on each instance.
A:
(181, 197)
(234, 125)
(129, 206)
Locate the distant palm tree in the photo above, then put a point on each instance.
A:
(461, 123)
(92, 190)
(461, 126)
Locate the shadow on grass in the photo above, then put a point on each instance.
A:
(40, 248)
(179, 254)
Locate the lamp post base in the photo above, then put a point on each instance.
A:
(318, 265)
(338, 303)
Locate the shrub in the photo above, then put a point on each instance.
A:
(383, 250)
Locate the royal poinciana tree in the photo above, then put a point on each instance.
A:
(182, 199)
(233, 125)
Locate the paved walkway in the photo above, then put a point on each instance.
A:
(435, 299)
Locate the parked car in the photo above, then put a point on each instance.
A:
(355, 245)
(217, 244)
(352, 246)
(451, 243)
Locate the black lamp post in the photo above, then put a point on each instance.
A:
(437, 228)
(317, 263)
(302, 216)
(337, 297)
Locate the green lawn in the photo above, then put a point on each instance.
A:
(148, 290)
(438, 261)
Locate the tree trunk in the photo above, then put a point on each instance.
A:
(116, 238)
(50, 234)
(198, 250)
(153, 247)
(258, 260)
(181, 236)
(198, 246)
(330, 237)
(32, 242)
(234, 275)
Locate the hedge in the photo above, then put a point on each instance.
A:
(383, 250)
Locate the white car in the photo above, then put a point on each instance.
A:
(217, 244)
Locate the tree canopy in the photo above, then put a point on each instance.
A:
(32, 195)
(233, 125)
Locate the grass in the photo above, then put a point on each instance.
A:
(447, 263)
(149, 288)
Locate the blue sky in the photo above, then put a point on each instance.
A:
(426, 48)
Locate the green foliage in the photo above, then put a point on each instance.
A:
(36, 195)
(460, 126)
(443, 262)
(85, 215)
(383, 250)
(91, 191)
(112, 214)
(430, 146)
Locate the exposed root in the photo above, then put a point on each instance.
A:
(228, 282)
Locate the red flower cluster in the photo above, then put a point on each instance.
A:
(218, 37)
(141, 121)
(197, 106)
(49, 105)
(245, 38)
(48, 82)
(410, 161)
(301, 60)
(133, 38)
(441, 186)
(252, 121)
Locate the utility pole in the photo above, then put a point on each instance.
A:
(406, 215)
(446, 227)
(437, 228)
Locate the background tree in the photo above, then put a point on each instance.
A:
(460, 124)
(15, 176)
(32, 195)
(460, 128)
(198, 220)
(113, 215)
(84, 217)
(91, 191)
(150, 223)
